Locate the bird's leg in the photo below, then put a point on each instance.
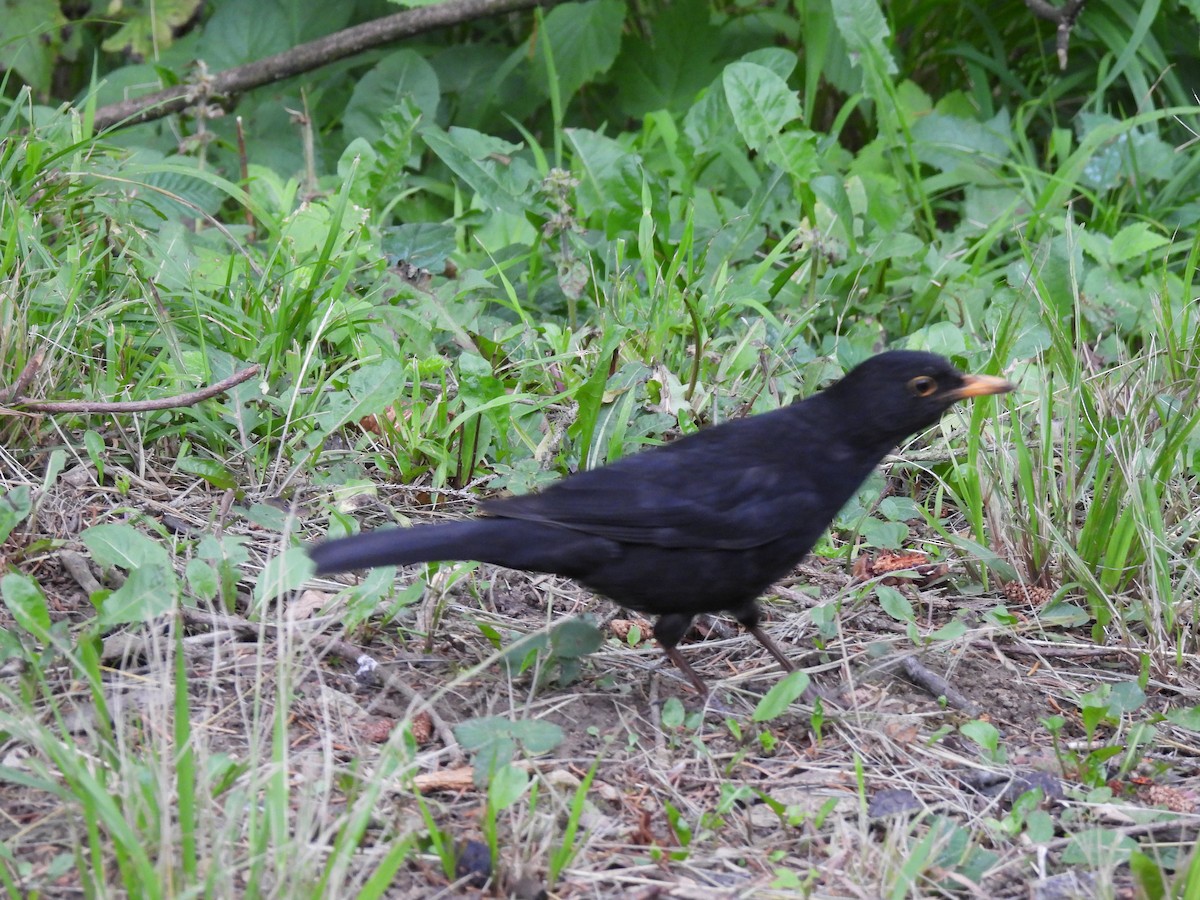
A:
(685, 667)
(669, 631)
(748, 617)
(772, 648)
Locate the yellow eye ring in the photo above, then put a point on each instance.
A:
(923, 386)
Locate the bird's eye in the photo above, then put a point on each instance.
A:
(923, 386)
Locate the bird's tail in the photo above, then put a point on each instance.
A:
(514, 543)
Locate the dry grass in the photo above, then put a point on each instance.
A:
(887, 797)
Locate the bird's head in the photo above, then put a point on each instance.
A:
(900, 392)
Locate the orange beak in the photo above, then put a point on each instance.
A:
(980, 386)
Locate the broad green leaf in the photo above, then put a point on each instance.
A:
(15, 506)
(245, 32)
(584, 40)
(894, 603)
(777, 700)
(269, 516)
(1126, 696)
(1133, 241)
(27, 603)
(884, 535)
(149, 592)
(476, 733)
(951, 631)
(673, 713)
(537, 736)
(1148, 874)
(982, 733)
(949, 143)
(29, 34)
(423, 244)
(506, 786)
(124, 546)
(865, 30)
(575, 637)
(486, 164)
(668, 66)
(403, 73)
(610, 178)
(202, 579)
(1096, 847)
(761, 102)
(900, 509)
(1185, 717)
(778, 59)
(283, 573)
(210, 470)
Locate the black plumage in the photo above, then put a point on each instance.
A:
(704, 524)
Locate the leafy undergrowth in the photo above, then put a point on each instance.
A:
(413, 738)
(527, 246)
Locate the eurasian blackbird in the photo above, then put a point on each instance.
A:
(707, 522)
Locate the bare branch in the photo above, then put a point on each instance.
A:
(304, 58)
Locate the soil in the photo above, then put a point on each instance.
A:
(691, 796)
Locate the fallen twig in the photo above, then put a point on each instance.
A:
(916, 672)
(18, 387)
(132, 406)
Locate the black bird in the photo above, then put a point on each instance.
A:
(705, 523)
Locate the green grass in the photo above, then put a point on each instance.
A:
(480, 295)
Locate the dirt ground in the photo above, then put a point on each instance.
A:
(691, 796)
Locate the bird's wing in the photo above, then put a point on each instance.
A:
(680, 500)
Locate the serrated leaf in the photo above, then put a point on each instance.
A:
(780, 697)
(202, 579)
(404, 73)
(865, 30)
(537, 736)
(575, 637)
(1133, 241)
(761, 102)
(1186, 717)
